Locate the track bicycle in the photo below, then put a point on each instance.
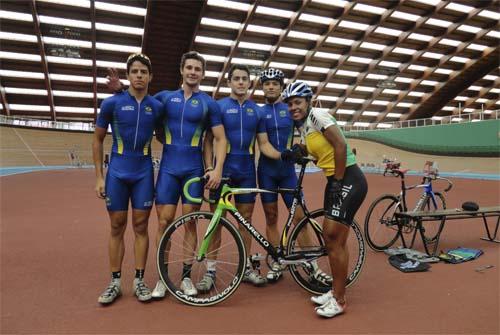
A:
(390, 165)
(302, 248)
(382, 228)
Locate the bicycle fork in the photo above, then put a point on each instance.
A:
(212, 227)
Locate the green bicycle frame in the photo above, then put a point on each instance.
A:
(223, 205)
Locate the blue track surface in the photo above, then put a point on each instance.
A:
(7, 171)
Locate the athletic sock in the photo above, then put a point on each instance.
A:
(211, 266)
(139, 274)
(116, 275)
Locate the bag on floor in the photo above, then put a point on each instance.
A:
(404, 264)
(460, 255)
(412, 254)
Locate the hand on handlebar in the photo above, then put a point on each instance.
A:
(212, 178)
(295, 154)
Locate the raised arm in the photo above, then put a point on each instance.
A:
(114, 84)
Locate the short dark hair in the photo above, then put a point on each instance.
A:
(235, 67)
(193, 55)
(140, 57)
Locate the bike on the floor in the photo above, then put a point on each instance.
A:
(382, 228)
(302, 248)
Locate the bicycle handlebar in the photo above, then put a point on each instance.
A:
(185, 190)
(450, 184)
(203, 179)
(394, 172)
(303, 161)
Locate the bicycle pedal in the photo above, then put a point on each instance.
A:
(255, 261)
(257, 256)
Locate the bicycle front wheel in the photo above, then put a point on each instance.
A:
(381, 225)
(307, 238)
(177, 259)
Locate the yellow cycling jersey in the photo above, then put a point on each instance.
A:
(317, 144)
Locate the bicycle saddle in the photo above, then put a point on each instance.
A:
(470, 206)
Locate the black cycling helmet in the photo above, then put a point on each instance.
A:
(272, 74)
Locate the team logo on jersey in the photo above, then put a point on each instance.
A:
(176, 99)
(269, 116)
(195, 102)
(148, 110)
(250, 111)
(283, 113)
(232, 111)
(128, 108)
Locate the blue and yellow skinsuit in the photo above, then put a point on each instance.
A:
(241, 123)
(130, 173)
(274, 173)
(184, 124)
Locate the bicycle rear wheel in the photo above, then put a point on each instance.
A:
(431, 228)
(381, 226)
(299, 243)
(177, 247)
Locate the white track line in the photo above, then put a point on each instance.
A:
(29, 148)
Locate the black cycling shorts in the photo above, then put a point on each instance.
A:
(354, 189)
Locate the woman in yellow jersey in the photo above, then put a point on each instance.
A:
(345, 189)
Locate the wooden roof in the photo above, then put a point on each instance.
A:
(369, 62)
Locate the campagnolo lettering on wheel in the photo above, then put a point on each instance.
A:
(315, 275)
(174, 252)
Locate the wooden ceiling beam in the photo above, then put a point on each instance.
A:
(232, 51)
(430, 71)
(43, 56)
(427, 73)
(94, 56)
(146, 26)
(5, 103)
(283, 35)
(356, 45)
(385, 53)
(310, 53)
(482, 92)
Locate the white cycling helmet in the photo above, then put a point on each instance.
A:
(297, 89)
(272, 74)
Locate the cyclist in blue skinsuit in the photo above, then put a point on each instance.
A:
(244, 125)
(133, 115)
(273, 174)
(189, 112)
